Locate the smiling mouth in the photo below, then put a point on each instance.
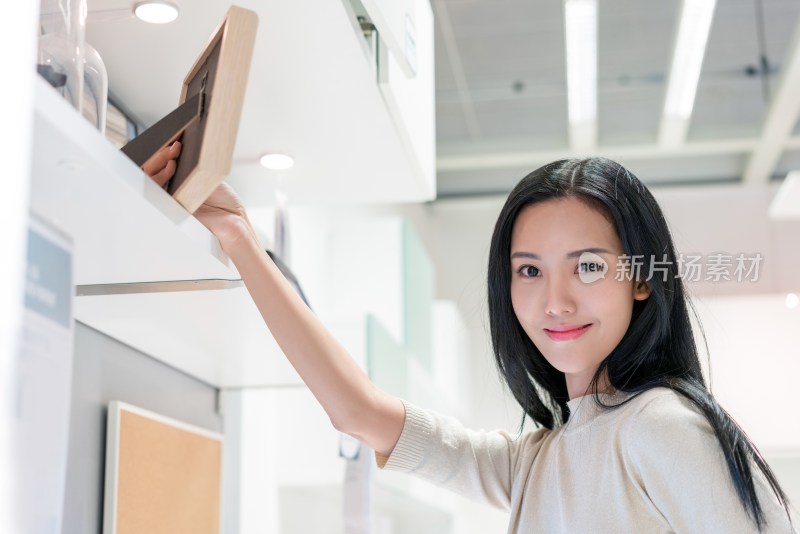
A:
(567, 335)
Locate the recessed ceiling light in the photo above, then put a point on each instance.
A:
(156, 12)
(277, 162)
(792, 300)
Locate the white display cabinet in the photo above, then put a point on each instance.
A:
(143, 265)
(410, 97)
(126, 229)
(313, 92)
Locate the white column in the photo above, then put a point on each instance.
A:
(18, 40)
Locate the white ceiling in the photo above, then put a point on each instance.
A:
(490, 135)
(501, 105)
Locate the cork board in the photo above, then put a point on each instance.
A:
(221, 72)
(162, 476)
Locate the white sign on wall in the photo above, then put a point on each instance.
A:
(41, 408)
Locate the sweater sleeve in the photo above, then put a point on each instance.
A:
(479, 465)
(677, 462)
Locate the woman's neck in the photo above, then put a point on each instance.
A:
(580, 386)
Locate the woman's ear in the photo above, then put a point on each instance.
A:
(641, 290)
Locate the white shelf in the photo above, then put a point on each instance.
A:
(126, 230)
(216, 336)
(124, 227)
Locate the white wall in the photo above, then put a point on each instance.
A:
(754, 342)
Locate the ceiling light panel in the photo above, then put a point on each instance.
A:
(687, 59)
(581, 33)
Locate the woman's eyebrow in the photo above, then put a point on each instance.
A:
(530, 255)
(594, 250)
(573, 254)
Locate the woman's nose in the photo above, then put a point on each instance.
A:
(559, 299)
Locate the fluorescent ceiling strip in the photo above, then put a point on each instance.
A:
(687, 59)
(581, 32)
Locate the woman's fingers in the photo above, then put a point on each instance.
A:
(162, 165)
(163, 176)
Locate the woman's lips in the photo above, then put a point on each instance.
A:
(566, 333)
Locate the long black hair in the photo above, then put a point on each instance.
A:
(658, 349)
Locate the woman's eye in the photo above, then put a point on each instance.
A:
(528, 271)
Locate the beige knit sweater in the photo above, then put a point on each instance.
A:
(652, 465)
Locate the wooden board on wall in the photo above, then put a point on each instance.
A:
(221, 71)
(162, 476)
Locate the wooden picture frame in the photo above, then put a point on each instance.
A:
(162, 476)
(221, 73)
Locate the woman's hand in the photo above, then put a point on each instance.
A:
(161, 167)
(222, 212)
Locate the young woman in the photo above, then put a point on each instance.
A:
(598, 351)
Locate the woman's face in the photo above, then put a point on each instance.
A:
(565, 289)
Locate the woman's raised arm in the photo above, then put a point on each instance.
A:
(353, 403)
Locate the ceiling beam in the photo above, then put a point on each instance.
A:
(471, 160)
(781, 118)
(786, 202)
